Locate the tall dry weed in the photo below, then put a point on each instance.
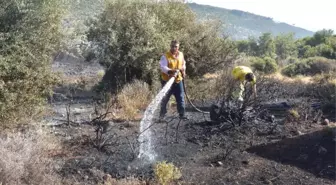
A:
(24, 159)
(133, 98)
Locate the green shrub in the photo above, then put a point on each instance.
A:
(29, 36)
(310, 66)
(205, 50)
(165, 172)
(310, 52)
(325, 50)
(292, 60)
(266, 65)
(257, 63)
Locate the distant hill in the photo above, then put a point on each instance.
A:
(240, 25)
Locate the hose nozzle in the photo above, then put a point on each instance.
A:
(176, 73)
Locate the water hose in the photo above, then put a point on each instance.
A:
(197, 109)
(185, 92)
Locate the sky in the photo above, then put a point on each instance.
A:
(313, 15)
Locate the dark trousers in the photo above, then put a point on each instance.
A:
(178, 91)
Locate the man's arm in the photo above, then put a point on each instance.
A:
(164, 65)
(254, 87)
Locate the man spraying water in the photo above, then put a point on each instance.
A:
(173, 71)
(171, 63)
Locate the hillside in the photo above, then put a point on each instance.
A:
(241, 25)
(238, 24)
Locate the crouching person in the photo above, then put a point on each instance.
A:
(242, 75)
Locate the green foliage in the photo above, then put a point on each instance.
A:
(83, 9)
(292, 60)
(254, 47)
(325, 50)
(29, 36)
(266, 45)
(320, 37)
(76, 14)
(310, 51)
(243, 46)
(131, 35)
(270, 65)
(166, 172)
(129, 41)
(310, 66)
(331, 41)
(265, 65)
(305, 51)
(257, 63)
(250, 46)
(285, 46)
(205, 51)
(323, 43)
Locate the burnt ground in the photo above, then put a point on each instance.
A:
(207, 153)
(258, 152)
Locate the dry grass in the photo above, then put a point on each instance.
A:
(276, 87)
(128, 181)
(221, 83)
(275, 76)
(133, 98)
(211, 75)
(211, 86)
(24, 159)
(303, 79)
(81, 81)
(324, 89)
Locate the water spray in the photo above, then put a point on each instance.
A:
(147, 151)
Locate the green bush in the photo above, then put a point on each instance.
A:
(292, 60)
(325, 50)
(205, 50)
(265, 65)
(29, 36)
(131, 35)
(165, 172)
(310, 66)
(257, 63)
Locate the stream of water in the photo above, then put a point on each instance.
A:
(147, 151)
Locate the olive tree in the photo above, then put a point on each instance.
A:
(131, 35)
(29, 37)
